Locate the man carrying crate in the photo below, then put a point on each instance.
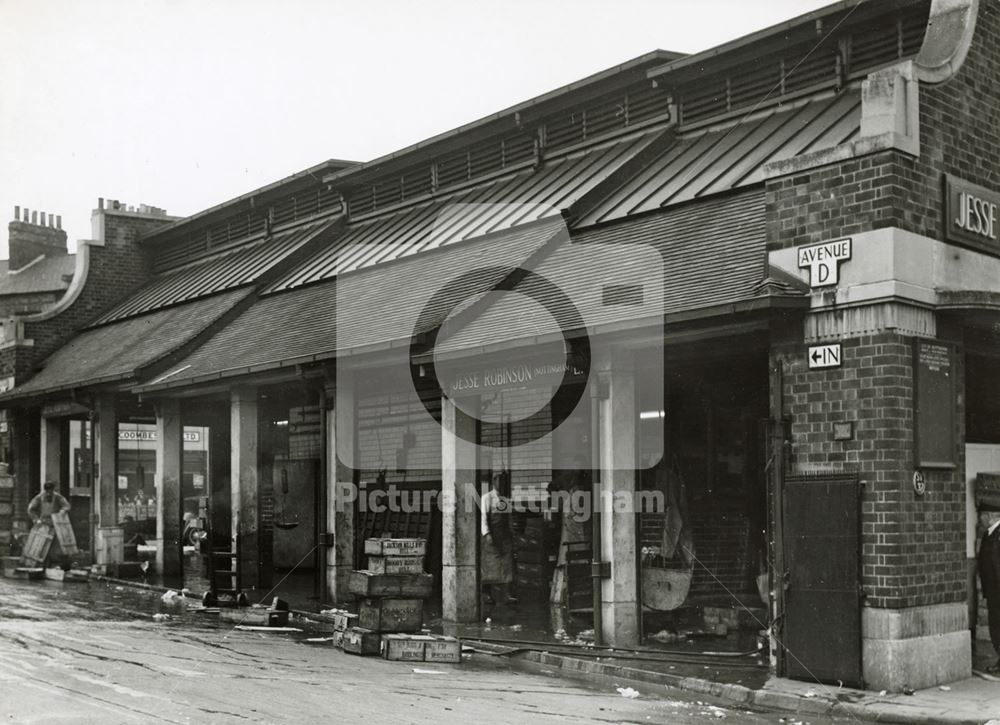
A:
(41, 509)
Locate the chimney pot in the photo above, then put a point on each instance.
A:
(100, 202)
(58, 221)
(52, 221)
(17, 213)
(34, 218)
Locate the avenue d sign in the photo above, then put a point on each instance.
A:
(823, 261)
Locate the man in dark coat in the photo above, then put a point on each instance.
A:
(988, 562)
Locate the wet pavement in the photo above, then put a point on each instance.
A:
(102, 652)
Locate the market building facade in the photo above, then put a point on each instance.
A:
(756, 287)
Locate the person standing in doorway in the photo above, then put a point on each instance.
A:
(988, 562)
(496, 555)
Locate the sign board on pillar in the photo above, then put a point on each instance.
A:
(823, 261)
(824, 356)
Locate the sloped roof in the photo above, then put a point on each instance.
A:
(368, 308)
(118, 351)
(50, 274)
(525, 197)
(720, 159)
(227, 270)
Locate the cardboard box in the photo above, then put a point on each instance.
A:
(396, 564)
(404, 647)
(368, 584)
(395, 547)
(391, 615)
(361, 641)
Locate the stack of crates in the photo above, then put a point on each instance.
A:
(391, 594)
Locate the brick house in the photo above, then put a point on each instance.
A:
(765, 288)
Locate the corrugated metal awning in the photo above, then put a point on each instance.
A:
(117, 352)
(717, 160)
(692, 262)
(526, 197)
(224, 271)
(366, 310)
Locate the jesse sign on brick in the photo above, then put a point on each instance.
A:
(823, 261)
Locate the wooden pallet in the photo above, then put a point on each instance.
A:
(64, 533)
(37, 545)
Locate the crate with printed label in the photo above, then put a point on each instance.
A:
(391, 615)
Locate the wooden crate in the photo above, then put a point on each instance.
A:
(396, 564)
(421, 648)
(255, 616)
(64, 533)
(338, 639)
(404, 647)
(368, 584)
(391, 615)
(343, 621)
(443, 650)
(361, 641)
(396, 547)
(37, 545)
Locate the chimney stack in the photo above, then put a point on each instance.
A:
(29, 240)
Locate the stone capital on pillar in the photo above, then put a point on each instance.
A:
(459, 515)
(169, 502)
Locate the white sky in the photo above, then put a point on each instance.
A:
(184, 104)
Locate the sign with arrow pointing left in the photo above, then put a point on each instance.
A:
(824, 356)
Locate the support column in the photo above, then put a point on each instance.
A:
(169, 502)
(243, 465)
(459, 516)
(342, 491)
(109, 548)
(617, 423)
(51, 453)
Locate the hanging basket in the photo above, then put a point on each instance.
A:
(665, 589)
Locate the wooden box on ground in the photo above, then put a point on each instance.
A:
(443, 650)
(255, 616)
(361, 641)
(404, 647)
(342, 621)
(58, 574)
(395, 547)
(368, 584)
(391, 615)
(396, 564)
(421, 648)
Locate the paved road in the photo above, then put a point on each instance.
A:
(82, 653)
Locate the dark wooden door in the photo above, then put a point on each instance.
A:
(822, 624)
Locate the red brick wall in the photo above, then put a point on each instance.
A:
(116, 270)
(913, 547)
(959, 134)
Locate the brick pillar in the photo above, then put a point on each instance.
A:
(617, 422)
(459, 516)
(169, 502)
(914, 619)
(244, 493)
(109, 549)
(341, 491)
